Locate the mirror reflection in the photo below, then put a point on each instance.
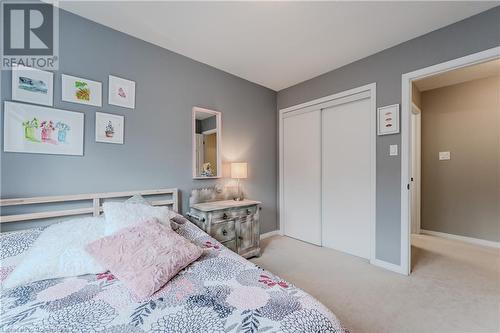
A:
(206, 137)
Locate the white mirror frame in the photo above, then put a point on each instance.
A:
(218, 119)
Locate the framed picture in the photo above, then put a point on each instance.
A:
(32, 85)
(42, 130)
(121, 92)
(388, 119)
(83, 91)
(109, 128)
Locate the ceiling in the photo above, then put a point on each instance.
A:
(469, 73)
(275, 44)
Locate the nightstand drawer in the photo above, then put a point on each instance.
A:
(230, 245)
(246, 211)
(223, 230)
(233, 213)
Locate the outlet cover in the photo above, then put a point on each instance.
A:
(444, 155)
(393, 150)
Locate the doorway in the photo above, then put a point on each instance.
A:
(413, 151)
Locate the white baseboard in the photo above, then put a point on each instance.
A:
(471, 240)
(270, 234)
(389, 266)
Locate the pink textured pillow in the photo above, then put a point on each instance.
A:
(145, 256)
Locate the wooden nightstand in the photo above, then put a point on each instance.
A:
(233, 223)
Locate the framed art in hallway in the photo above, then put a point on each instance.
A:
(42, 130)
(109, 128)
(388, 119)
(121, 92)
(32, 85)
(83, 91)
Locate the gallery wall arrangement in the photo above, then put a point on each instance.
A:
(33, 126)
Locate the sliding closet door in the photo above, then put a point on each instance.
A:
(301, 211)
(346, 177)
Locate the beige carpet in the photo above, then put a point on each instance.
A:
(454, 287)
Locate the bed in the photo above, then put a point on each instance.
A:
(220, 292)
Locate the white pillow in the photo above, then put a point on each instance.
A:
(60, 252)
(121, 215)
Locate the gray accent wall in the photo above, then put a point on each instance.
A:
(469, 36)
(157, 149)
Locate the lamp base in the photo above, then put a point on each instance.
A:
(240, 195)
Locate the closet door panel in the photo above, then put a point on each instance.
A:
(302, 176)
(346, 177)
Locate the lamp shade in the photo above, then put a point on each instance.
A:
(239, 170)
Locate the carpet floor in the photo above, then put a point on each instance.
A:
(454, 286)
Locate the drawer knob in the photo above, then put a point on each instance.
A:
(224, 232)
(224, 216)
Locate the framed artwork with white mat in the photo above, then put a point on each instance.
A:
(109, 128)
(121, 92)
(32, 85)
(82, 91)
(41, 130)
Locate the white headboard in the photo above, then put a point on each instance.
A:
(95, 208)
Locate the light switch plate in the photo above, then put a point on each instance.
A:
(444, 155)
(393, 150)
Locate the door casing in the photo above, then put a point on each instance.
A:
(406, 107)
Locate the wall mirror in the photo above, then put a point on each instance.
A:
(206, 143)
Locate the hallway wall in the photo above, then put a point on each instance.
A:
(461, 196)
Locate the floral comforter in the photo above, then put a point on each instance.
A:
(220, 292)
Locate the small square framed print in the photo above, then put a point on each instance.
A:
(109, 128)
(388, 119)
(121, 92)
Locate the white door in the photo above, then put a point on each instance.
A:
(347, 177)
(415, 170)
(302, 176)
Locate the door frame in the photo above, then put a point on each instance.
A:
(416, 122)
(322, 103)
(406, 84)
